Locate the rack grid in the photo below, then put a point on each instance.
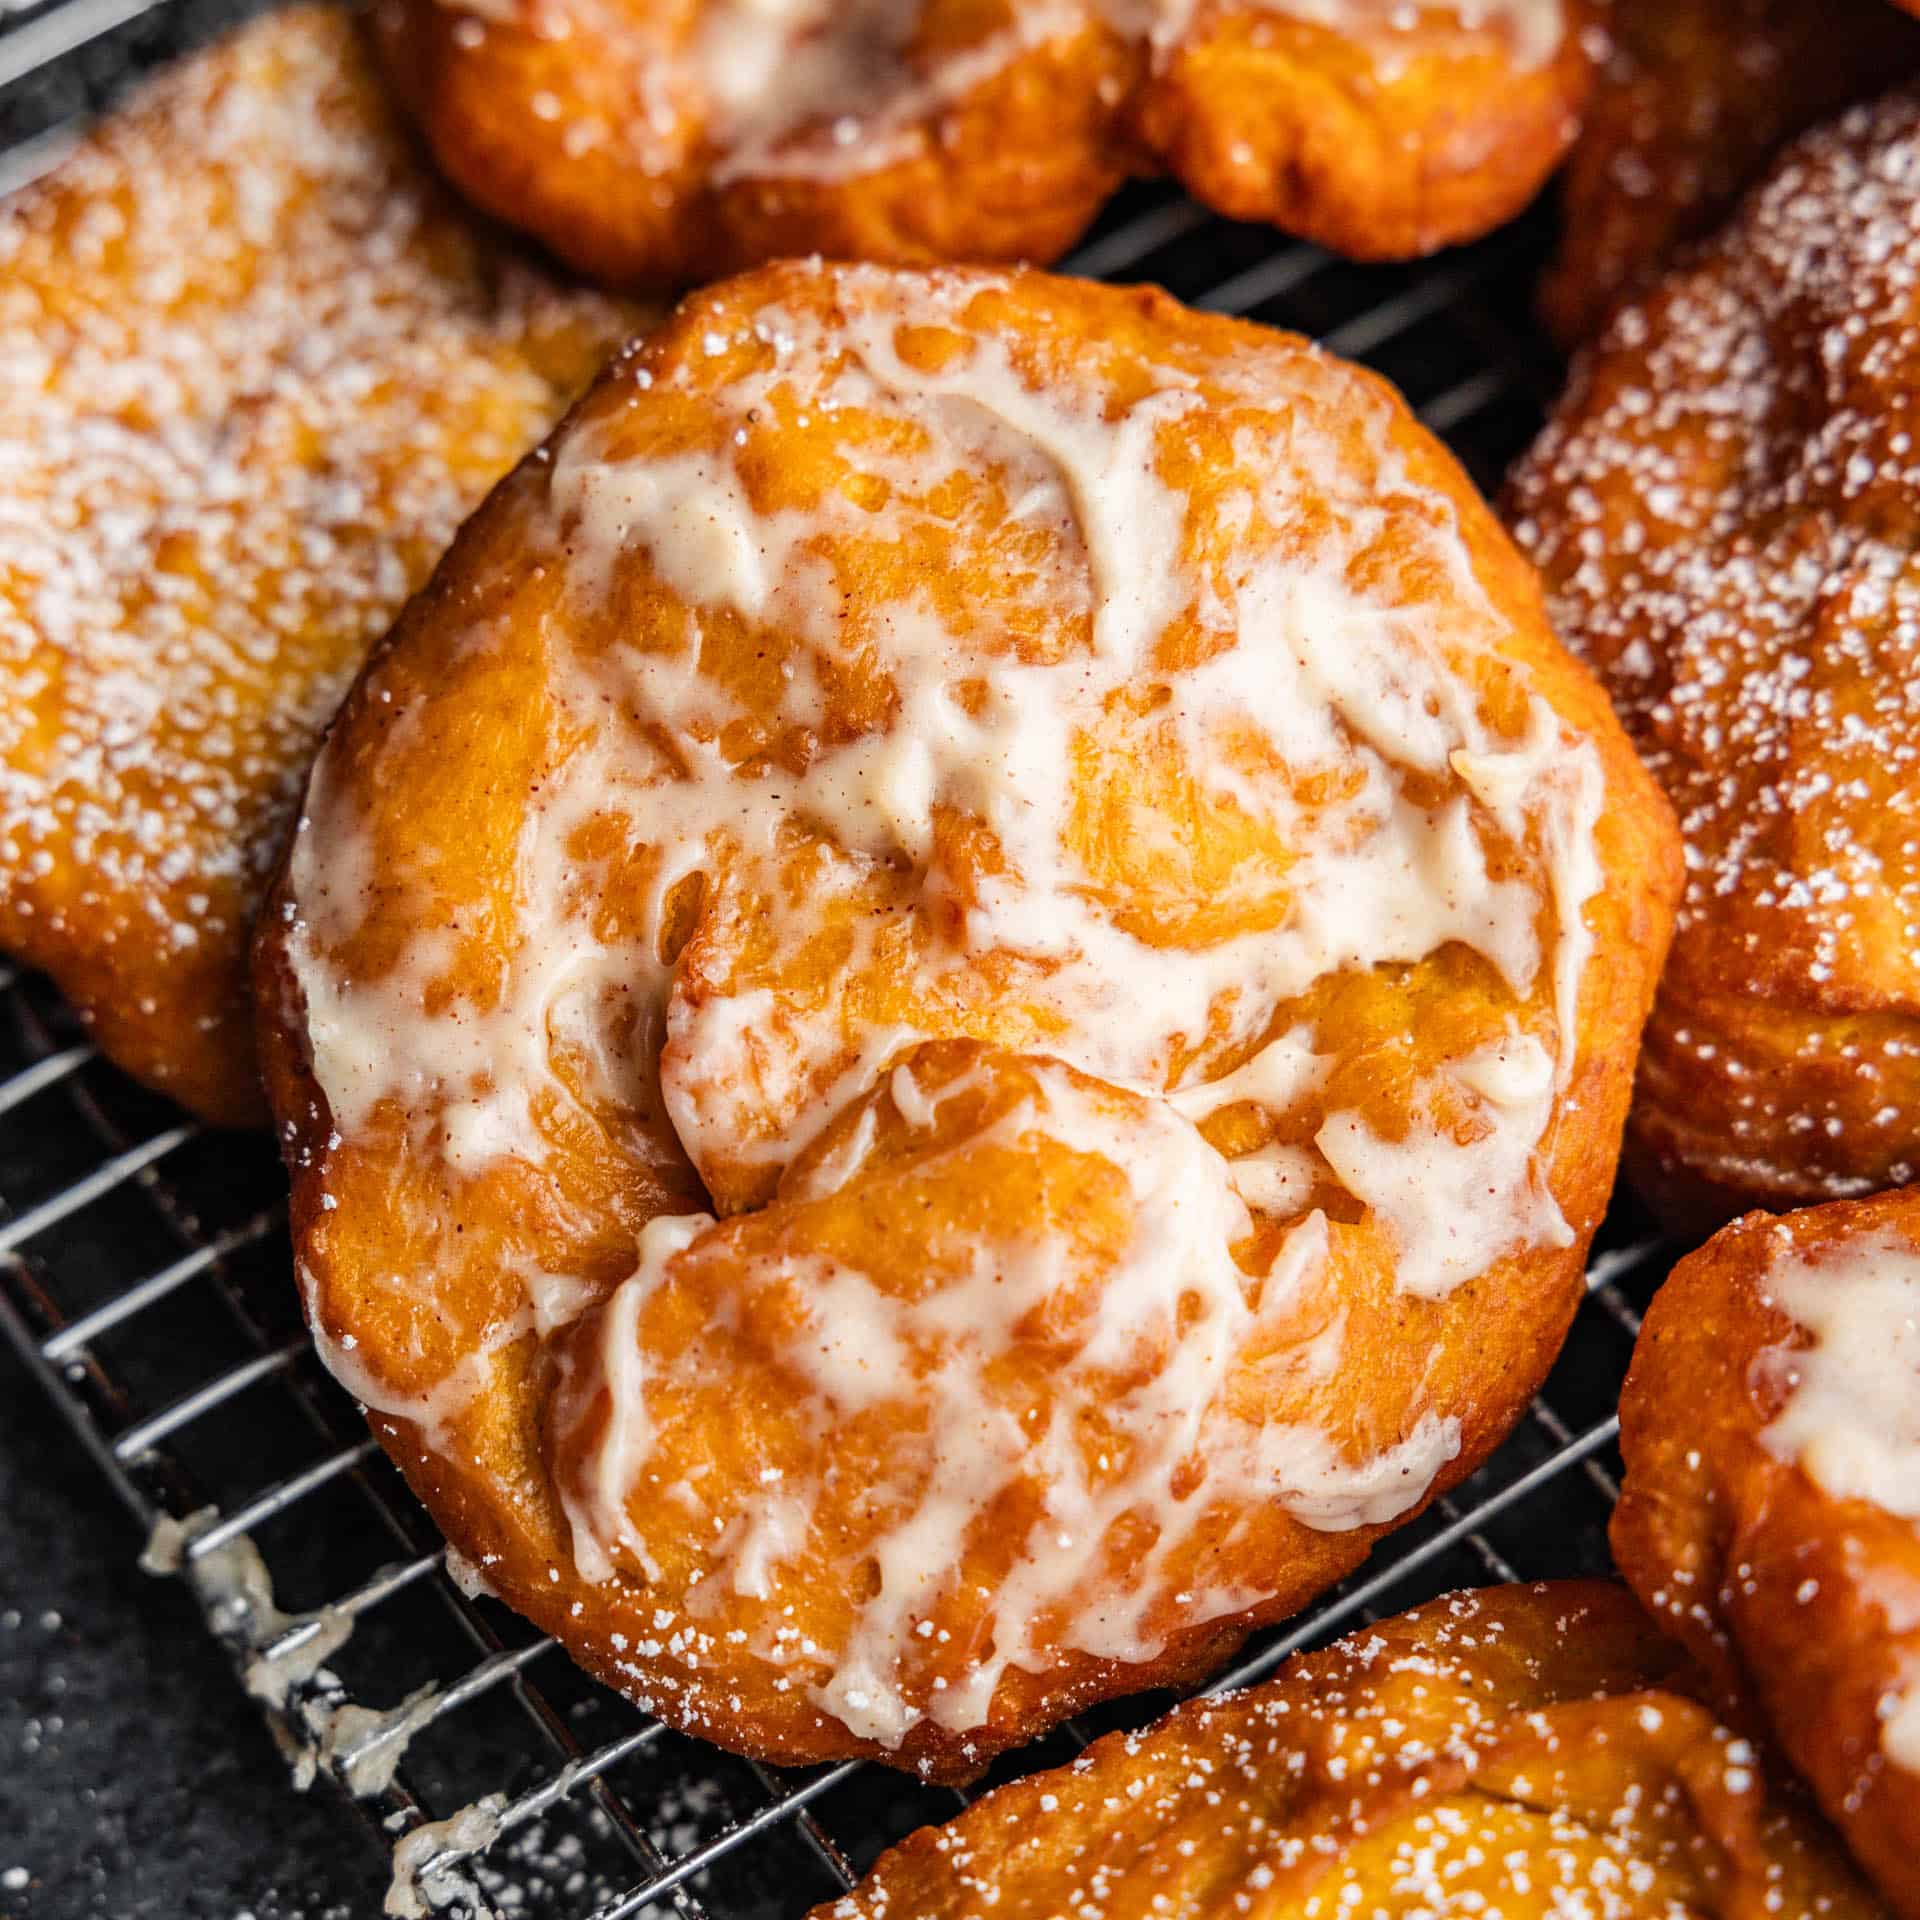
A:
(145, 1280)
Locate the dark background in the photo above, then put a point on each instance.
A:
(135, 1777)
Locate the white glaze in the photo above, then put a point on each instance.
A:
(416, 1890)
(1852, 1419)
(1900, 1728)
(282, 1657)
(598, 1512)
(1324, 674)
(1452, 1208)
(861, 1346)
(828, 89)
(816, 91)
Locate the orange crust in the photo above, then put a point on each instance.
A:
(1015, 167)
(1722, 509)
(261, 365)
(1380, 144)
(1526, 1751)
(433, 759)
(1806, 1603)
(1691, 102)
(571, 119)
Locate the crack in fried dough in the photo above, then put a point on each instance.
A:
(955, 1008)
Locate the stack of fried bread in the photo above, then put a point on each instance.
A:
(952, 963)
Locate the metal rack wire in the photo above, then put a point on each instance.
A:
(144, 1280)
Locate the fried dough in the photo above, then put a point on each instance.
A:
(1691, 102)
(255, 368)
(662, 143)
(955, 1007)
(1724, 510)
(1771, 1514)
(668, 143)
(1522, 1751)
(1380, 130)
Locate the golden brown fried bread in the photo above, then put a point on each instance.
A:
(1380, 129)
(255, 368)
(954, 1010)
(1771, 1515)
(652, 142)
(1724, 509)
(670, 142)
(1529, 1752)
(1691, 102)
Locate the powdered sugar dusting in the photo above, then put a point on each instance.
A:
(1450, 1762)
(254, 369)
(1725, 515)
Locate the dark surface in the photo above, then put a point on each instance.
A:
(135, 1778)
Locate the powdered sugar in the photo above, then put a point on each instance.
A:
(254, 370)
(1724, 511)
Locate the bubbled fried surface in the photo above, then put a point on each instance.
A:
(1692, 100)
(1724, 511)
(255, 368)
(1806, 1603)
(985, 130)
(1525, 1751)
(1381, 132)
(464, 1242)
(580, 121)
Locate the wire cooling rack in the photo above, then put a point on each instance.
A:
(144, 1278)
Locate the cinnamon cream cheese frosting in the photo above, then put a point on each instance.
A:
(957, 1004)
